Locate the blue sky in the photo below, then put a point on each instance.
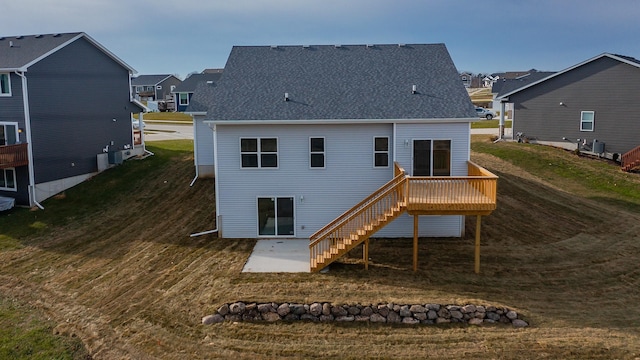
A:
(183, 36)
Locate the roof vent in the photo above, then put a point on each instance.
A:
(370, 46)
(56, 35)
(305, 46)
(209, 81)
(286, 96)
(414, 89)
(402, 45)
(274, 46)
(38, 36)
(338, 46)
(19, 37)
(10, 43)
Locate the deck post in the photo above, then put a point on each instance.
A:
(477, 260)
(415, 242)
(365, 254)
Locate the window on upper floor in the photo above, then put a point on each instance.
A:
(8, 179)
(259, 152)
(587, 120)
(381, 151)
(184, 99)
(316, 152)
(5, 85)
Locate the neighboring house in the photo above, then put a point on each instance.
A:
(184, 91)
(65, 113)
(466, 78)
(202, 135)
(593, 105)
(301, 134)
(508, 83)
(153, 87)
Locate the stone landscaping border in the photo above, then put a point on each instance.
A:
(380, 313)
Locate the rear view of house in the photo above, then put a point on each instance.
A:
(304, 133)
(65, 113)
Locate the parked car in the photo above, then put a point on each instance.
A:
(485, 113)
(136, 124)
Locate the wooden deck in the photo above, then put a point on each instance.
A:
(447, 195)
(13, 156)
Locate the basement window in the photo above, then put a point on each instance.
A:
(587, 120)
(5, 85)
(8, 179)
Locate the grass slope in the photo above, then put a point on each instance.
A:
(112, 263)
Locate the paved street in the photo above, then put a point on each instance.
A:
(158, 131)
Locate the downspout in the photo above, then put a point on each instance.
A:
(195, 149)
(27, 121)
(215, 181)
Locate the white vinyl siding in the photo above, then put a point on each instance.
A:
(320, 196)
(587, 120)
(203, 137)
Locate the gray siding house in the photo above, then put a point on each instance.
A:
(185, 90)
(65, 111)
(592, 105)
(153, 87)
(303, 133)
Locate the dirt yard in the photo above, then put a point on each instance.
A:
(127, 279)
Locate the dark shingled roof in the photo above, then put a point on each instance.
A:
(148, 79)
(202, 95)
(29, 48)
(503, 86)
(189, 84)
(339, 82)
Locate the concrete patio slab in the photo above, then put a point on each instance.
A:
(279, 255)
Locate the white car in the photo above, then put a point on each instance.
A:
(136, 124)
(485, 113)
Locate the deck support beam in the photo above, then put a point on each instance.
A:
(415, 242)
(365, 254)
(477, 255)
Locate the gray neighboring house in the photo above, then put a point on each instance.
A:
(65, 113)
(303, 133)
(202, 135)
(185, 90)
(153, 87)
(593, 105)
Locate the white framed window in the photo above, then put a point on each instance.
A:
(381, 151)
(8, 179)
(316, 153)
(259, 152)
(587, 120)
(5, 85)
(8, 133)
(184, 98)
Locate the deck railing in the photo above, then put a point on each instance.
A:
(13, 156)
(631, 159)
(473, 194)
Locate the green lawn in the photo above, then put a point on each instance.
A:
(166, 116)
(490, 124)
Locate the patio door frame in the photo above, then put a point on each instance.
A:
(429, 152)
(275, 213)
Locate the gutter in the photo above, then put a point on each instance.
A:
(27, 121)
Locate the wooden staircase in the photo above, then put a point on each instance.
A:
(631, 159)
(357, 224)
